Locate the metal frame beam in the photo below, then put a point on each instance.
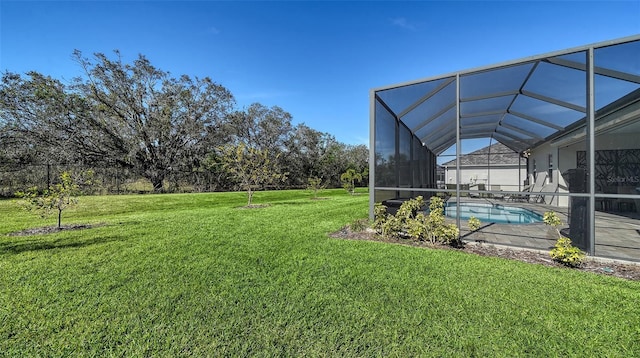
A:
(425, 97)
(436, 132)
(557, 102)
(434, 116)
(596, 70)
(492, 126)
(520, 130)
(486, 113)
(510, 146)
(536, 120)
(476, 135)
(442, 141)
(373, 98)
(458, 150)
(524, 82)
(591, 141)
(490, 96)
(384, 104)
(511, 143)
(514, 138)
(444, 146)
(516, 62)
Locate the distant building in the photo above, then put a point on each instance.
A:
(496, 165)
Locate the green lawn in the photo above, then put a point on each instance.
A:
(196, 275)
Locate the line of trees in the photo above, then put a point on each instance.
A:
(139, 118)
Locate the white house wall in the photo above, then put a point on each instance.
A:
(504, 176)
(539, 164)
(565, 158)
(617, 141)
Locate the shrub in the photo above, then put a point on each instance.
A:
(474, 223)
(384, 223)
(551, 218)
(379, 216)
(563, 252)
(417, 228)
(409, 208)
(408, 222)
(449, 234)
(566, 253)
(392, 227)
(359, 225)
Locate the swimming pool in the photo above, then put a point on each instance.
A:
(493, 213)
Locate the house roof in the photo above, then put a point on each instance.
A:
(495, 154)
(519, 103)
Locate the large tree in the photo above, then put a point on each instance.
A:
(38, 119)
(136, 117)
(305, 150)
(152, 122)
(261, 127)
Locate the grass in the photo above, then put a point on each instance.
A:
(197, 275)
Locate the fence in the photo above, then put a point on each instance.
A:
(107, 180)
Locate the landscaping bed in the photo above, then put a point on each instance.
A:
(626, 270)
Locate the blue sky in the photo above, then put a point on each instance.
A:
(316, 60)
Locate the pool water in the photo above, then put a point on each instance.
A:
(496, 213)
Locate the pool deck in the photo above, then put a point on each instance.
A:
(617, 235)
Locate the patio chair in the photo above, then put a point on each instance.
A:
(499, 196)
(537, 187)
(479, 188)
(451, 188)
(520, 196)
(464, 187)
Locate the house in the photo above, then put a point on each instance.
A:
(494, 165)
(571, 118)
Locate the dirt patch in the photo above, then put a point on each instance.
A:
(625, 270)
(52, 229)
(254, 206)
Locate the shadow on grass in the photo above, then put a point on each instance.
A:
(294, 203)
(18, 247)
(303, 201)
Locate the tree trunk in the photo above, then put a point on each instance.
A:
(156, 181)
(250, 195)
(59, 218)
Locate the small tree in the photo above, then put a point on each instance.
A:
(551, 218)
(252, 168)
(349, 179)
(57, 198)
(315, 185)
(434, 222)
(563, 252)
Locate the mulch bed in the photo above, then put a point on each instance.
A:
(51, 229)
(625, 270)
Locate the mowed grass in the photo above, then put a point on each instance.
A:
(197, 275)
